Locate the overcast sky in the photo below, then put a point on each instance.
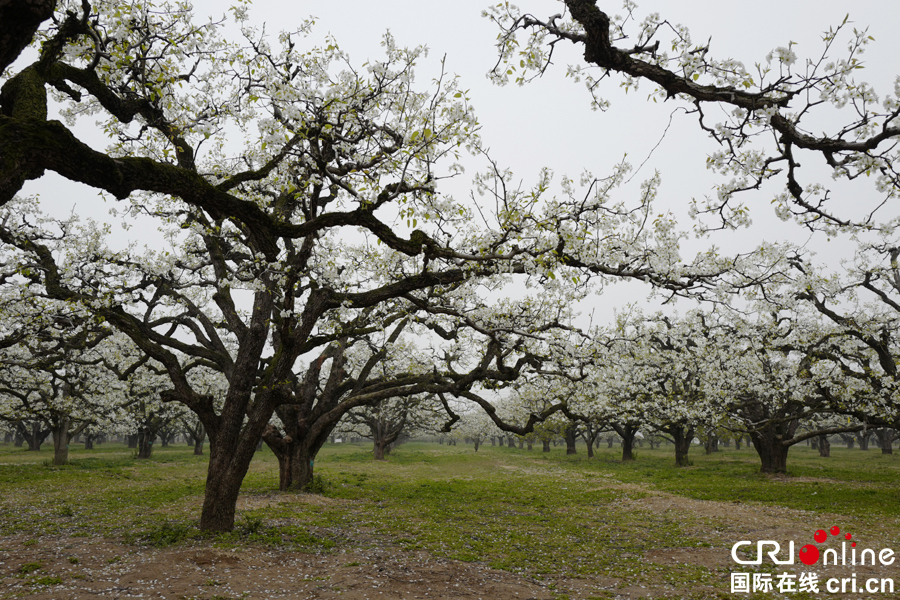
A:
(549, 122)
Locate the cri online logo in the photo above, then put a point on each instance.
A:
(810, 554)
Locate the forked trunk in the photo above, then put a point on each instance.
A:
(627, 433)
(772, 452)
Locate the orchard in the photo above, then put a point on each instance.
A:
(238, 236)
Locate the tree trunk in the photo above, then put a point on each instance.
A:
(627, 433)
(511, 442)
(198, 440)
(530, 445)
(610, 441)
(628, 449)
(570, 435)
(379, 450)
(61, 442)
(772, 453)
(33, 435)
(131, 440)
(682, 436)
(89, 441)
(477, 443)
(521, 443)
(885, 437)
(824, 446)
(546, 445)
(144, 444)
(19, 440)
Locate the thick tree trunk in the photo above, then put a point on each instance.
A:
(511, 442)
(772, 452)
(131, 440)
(885, 437)
(546, 445)
(477, 443)
(144, 444)
(34, 436)
(89, 441)
(61, 437)
(61, 442)
(682, 436)
(627, 449)
(824, 446)
(530, 445)
(863, 439)
(521, 443)
(570, 436)
(610, 441)
(19, 440)
(627, 433)
(379, 450)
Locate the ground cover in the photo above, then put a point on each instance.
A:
(431, 522)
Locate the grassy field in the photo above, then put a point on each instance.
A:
(546, 516)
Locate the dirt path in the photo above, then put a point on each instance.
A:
(69, 568)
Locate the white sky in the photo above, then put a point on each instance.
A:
(549, 122)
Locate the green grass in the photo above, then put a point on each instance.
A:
(862, 484)
(541, 514)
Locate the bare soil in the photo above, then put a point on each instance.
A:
(368, 568)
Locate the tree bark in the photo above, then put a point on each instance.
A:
(570, 437)
(885, 437)
(824, 446)
(145, 444)
(379, 449)
(61, 442)
(627, 432)
(682, 437)
(772, 452)
(546, 445)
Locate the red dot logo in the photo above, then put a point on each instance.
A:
(835, 530)
(820, 536)
(809, 554)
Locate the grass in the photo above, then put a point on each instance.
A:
(542, 514)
